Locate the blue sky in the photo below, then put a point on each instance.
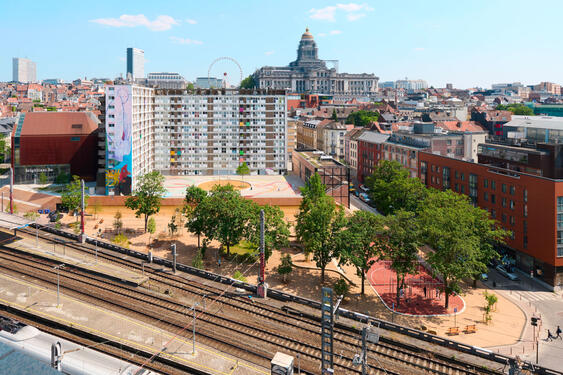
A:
(467, 43)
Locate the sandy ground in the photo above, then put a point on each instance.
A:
(505, 328)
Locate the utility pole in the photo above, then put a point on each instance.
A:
(82, 234)
(262, 288)
(534, 323)
(173, 246)
(58, 282)
(11, 191)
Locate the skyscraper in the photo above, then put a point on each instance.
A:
(135, 63)
(23, 70)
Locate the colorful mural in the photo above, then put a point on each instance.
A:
(118, 139)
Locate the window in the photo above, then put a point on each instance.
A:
(503, 217)
(473, 187)
(512, 189)
(525, 195)
(512, 221)
(457, 187)
(462, 189)
(432, 168)
(525, 210)
(446, 177)
(74, 139)
(503, 188)
(76, 126)
(493, 185)
(512, 204)
(486, 196)
(512, 235)
(493, 213)
(503, 202)
(493, 199)
(456, 175)
(485, 183)
(559, 204)
(462, 177)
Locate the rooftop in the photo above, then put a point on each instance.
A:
(538, 122)
(58, 123)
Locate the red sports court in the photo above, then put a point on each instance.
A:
(413, 299)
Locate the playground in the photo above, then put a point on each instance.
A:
(422, 294)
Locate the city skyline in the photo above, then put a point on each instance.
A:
(441, 42)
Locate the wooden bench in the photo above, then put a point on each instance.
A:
(470, 329)
(453, 331)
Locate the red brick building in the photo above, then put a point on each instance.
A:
(529, 206)
(52, 143)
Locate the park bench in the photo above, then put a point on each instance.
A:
(470, 329)
(453, 331)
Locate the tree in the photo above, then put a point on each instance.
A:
(341, 287)
(285, 267)
(334, 116)
(362, 118)
(313, 190)
(197, 262)
(402, 240)
(320, 231)
(151, 227)
(243, 170)
(147, 197)
(276, 230)
(248, 83)
(239, 276)
(224, 215)
(71, 197)
(360, 242)
(117, 222)
(491, 300)
(4, 148)
(392, 189)
(172, 226)
(31, 215)
(517, 109)
(42, 178)
(190, 87)
(194, 217)
(462, 237)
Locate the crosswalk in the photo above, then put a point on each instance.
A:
(533, 296)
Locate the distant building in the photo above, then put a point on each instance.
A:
(54, 143)
(449, 86)
(416, 84)
(23, 70)
(52, 81)
(208, 83)
(135, 63)
(309, 74)
(166, 81)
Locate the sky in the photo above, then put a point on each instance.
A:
(466, 43)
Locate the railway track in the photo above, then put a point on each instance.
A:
(390, 354)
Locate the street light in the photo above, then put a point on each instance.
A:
(58, 282)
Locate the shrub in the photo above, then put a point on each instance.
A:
(121, 240)
(238, 276)
(341, 287)
(197, 262)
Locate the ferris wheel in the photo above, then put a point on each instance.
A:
(226, 76)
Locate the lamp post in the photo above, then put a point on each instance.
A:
(58, 282)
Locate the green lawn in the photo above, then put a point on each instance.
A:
(243, 247)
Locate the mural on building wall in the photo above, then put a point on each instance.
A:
(118, 140)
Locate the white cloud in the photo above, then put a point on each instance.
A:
(179, 40)
(268, 53)
(160, 23)
(419, 49)
(328, 13)
(335, 32)
(191, 22)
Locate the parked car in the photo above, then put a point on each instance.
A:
(364, 188)
(54, 216)
(365, 197)
(506, 274)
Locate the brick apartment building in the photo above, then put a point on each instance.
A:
(530, 206)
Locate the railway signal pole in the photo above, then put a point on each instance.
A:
(82, 234)
(262, 288)
(58, 282)
(11, 191)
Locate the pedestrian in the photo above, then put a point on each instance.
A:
(550, 337)
(401, 293)
(438, 293)
(424, 292)
(558, 331)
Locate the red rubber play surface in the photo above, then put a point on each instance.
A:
(413, 300)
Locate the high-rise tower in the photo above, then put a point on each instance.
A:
(135, 63)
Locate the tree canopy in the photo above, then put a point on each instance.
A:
(147, 197)
(320, 231)
(276, 230)
(243, 170)
(71, 197)
(248, 83)
(313, 190)
(360, 242)
(517, 109)
(195, 219)
(392, 189)
(362, 118)
(461, 236)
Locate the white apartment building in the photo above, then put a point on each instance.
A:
(23, 70)
(212, 133)
(178, 133)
